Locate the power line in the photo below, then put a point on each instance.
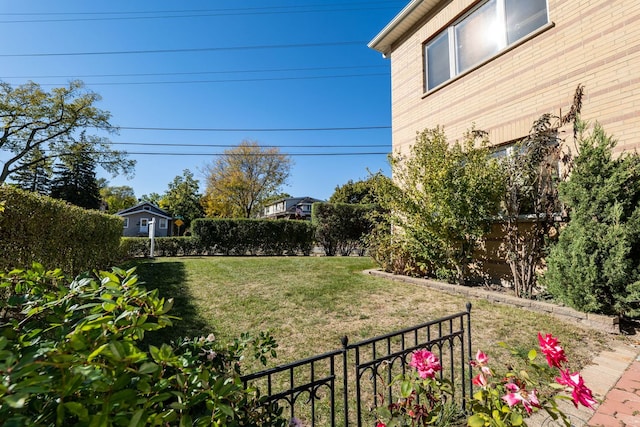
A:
(172, 82)
(203, 49)
(274, 70)
(256, 154)
(161, 144)
(189, 14)
(255, 129)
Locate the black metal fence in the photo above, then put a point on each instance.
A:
(342, 387)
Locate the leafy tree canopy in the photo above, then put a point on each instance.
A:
(182, 198)
(32, 118)
(118, 198)
(244, 177)
(358, 192)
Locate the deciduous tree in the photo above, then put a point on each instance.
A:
(182, 199)
(242, 178)
(118, 198)
(32, 118)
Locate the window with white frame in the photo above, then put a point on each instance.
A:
(482, 33)
(125, 223)
(162, 223)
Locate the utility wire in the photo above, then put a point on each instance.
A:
(255, 129)
(173, 82)
(202, 49)
(219, 13)
(161, 144)
(188, 73)
(366, 4)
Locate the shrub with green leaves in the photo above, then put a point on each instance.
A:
(72, 353)
(340, 227)
(442, 198)
(594, 265)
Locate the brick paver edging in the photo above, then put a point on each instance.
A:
(609, 324)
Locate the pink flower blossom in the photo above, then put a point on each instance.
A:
(518, 395)
(580, 392)
(480, 380)
(481, 358)
(550, 347)
(426, 363)
(381, 424)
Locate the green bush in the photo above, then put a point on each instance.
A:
(594, 265)
(71, 353)
(36, 228)
(253, 236)
(340, 227)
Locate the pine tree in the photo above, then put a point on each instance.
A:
(75, 178)
(34, 173)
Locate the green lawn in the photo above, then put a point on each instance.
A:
(308, 303)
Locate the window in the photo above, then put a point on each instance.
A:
(479, 35)
(126, 222)
(162, 223)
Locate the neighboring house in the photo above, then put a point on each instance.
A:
(501, 64)
(137, 218)
(290, 208)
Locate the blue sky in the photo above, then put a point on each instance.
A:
(281, 73)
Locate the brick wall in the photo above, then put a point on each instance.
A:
(595, 43)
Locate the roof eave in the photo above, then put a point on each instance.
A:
(399, 25)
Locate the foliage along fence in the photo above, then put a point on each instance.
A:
(340, 227)
(253, 236)
(36, 228)
(342, 386)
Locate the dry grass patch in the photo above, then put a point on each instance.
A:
(309, 303)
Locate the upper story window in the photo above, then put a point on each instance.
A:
(482, 33)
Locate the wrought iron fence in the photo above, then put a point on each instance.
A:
(342, 387)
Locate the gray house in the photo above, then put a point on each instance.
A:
(137, 218)
(290, 208)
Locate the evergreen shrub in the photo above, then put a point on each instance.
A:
(594, 265)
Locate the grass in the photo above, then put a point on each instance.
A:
(309, 303)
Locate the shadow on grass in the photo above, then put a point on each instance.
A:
(169, 278)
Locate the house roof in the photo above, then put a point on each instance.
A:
(144, 207)
(296, 200)
(412, 13)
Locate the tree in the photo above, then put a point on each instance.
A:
(36, 174)
(51, 122)
(154, 198)
(242, 178)
(359, 192)
(594, 265)
(118, 198)
(182, 199)
(442, 199)
(531, 201)
(75, 179)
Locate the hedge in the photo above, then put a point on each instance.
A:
(339, 227)
(36, 228)
(253, 236)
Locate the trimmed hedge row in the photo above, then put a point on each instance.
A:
(253, 236)
(164, 246)
(36, 228)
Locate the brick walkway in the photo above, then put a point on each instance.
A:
(621, 406)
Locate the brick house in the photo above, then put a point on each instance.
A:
(501, 64)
